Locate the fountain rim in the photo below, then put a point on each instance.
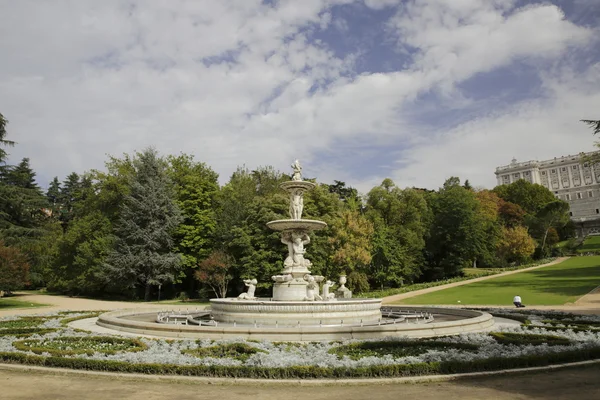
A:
(300, 224)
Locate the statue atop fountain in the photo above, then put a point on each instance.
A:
(292, 284)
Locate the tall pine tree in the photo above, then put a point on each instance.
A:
(143, 254)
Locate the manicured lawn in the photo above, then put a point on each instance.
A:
(10, 302)
(591, 243)
(553, 285)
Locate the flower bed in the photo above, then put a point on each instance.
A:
(536, 343)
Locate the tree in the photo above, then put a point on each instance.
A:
(143, 253)
(3, 140)
(350, 241)
(216, 272)
(14, 268)
(592, 159)
(196, 189)
(553, 215)
(53, 193)
(458, 234)
(400, 219)
(531, 197)
(82, 250)
(515, 244)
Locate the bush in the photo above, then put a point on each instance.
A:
(238, 351)
(80, 345)
(529, 339)
(395, 348)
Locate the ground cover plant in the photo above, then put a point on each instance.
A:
(553, 285)
(544, 338)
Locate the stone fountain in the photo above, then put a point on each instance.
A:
(297, 298)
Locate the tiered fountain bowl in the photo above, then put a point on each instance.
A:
(298, 309)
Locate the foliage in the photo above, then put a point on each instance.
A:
(237, 351)
(458, 233)
(531, 197)
(80, 345)
(401, 220)
(196, 189)
(528, 339)
(515, 245)
(350, 242)
(215, 271)
(14, 268)
(395, 348)
(143, 251)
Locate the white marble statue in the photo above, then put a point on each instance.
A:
(326, 286)
(312, 289)
(249, 294)
(297, 176)
(296, 241)
(296, 203)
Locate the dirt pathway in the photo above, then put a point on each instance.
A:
(402, 296)
(564, 384)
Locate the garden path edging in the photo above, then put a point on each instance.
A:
(289, 382)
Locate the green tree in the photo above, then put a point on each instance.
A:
(3, 141)
(554, 215)
(196, 189)
(143, 253)
(592, 159)
(400, 219)
(53, 193)
(80, 254)
(457, 235)
(531, 197)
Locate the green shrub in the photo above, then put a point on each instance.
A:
(528, 339)
(80, 345)
(25, 332)
(23, 322)
(66, 321)
(395, 348)
(238, 351)
(308, 372)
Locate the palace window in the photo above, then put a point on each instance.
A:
(564, 169)
(590, 194)
(578, 195)
(552, 171)
(574, 166)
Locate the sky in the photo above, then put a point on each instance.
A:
(357, 90)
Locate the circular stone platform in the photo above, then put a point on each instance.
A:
(447, 322)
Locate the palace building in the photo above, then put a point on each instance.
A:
(569, 179)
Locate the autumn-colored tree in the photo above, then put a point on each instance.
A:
(216, 272)
(14, 269)
(511, 214)
(515, 244)
(350, 241)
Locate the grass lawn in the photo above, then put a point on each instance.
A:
(591, 243)
(553, 285)
(10, 302)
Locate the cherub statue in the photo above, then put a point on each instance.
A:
(297, 176)
(326, 286)
(249, 295)
(312, 289)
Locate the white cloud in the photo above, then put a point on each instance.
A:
(242, 82)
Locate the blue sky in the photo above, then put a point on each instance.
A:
(358, 90)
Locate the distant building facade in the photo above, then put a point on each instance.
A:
(569, 179)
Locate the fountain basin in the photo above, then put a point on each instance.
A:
(265, 311)
(299, 224)
(448, 321)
